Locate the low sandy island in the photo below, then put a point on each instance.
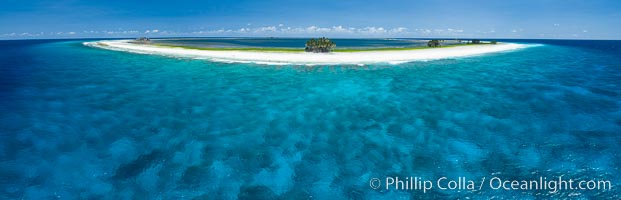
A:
(266, 57)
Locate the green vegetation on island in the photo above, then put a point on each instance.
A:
(439, 43)
(142, 40)
(324, 45)
(320, 45)
(434, 43)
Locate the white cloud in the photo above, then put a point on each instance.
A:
(283, 30)
(266, 29)
(399, 30)
(423, 31)
(151, 31)
(373, 30)
(277, 30)
(22, 35)
(341, 29)
(439, 32)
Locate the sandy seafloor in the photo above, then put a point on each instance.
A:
(86, 123)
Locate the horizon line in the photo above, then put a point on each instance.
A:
(299, 37)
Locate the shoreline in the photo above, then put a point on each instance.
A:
(307, 58)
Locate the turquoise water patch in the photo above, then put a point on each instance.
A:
(81, 122)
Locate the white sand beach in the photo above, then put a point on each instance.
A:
(306, 58)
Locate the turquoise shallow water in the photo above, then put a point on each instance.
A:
(79, 122)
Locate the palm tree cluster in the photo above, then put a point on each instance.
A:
(434, 43)
(320, 45)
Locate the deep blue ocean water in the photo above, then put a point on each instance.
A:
(86, 123)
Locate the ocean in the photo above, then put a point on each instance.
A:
(78, 122)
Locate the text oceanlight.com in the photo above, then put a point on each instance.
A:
(551, 185)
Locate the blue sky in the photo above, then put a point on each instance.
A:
(568, 19)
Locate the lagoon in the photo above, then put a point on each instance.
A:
(78, 122)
